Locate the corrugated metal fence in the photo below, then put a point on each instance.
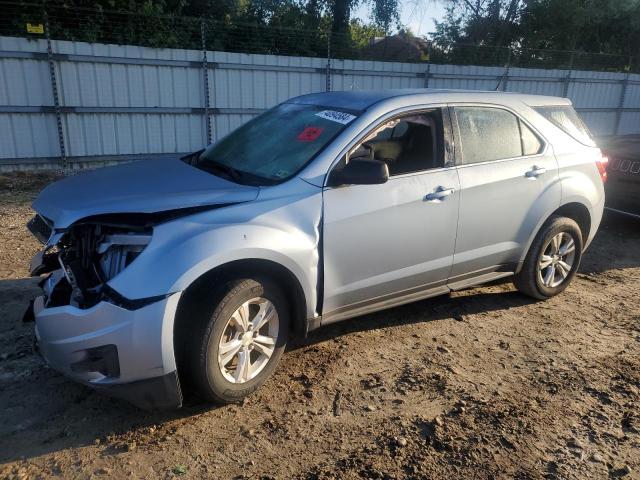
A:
(83, 104)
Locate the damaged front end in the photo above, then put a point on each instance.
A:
(92, 333)
(92, 322)
(83, 258)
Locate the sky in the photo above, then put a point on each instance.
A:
(418, 15)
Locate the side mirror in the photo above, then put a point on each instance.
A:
(360, 172)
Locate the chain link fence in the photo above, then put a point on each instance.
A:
(86, 94)
(163, 31)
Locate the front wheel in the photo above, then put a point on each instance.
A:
(235, 348)
(552, 260)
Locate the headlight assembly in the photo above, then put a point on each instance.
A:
(90, 255)
(118, 250)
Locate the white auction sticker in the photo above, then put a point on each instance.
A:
(334, 116)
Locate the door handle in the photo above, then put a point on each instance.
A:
(439, 194)
(535, 172)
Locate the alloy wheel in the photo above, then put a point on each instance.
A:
(248, 340)
(556, 260)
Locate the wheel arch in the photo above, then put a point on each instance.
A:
(577, 211)
(580, 214)
(214, 279)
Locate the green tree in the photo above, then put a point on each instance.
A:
(481, 22)
(611, 26)
(362, 33)
(290, 27)
(385, 13)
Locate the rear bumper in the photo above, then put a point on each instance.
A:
(124, 353)
(597, 211)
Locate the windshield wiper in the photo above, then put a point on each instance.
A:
(230, 172)
(193, 157)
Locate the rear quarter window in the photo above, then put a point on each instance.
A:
(567, 119)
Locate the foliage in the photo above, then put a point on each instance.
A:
(288, 27)
(362, 33)
(179, 470)
(602, 33)
(385, 13)
(590, 34)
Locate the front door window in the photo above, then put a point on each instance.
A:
(407, 144)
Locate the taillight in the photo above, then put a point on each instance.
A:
(602, 167)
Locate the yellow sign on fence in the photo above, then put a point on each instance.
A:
(35, 28)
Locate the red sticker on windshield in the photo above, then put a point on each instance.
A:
(309, 134)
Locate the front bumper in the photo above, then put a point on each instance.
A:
(157, 393)
(126, 353)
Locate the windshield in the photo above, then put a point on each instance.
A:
(275, 145)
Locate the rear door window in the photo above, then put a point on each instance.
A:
(566, 119)
(486, 134)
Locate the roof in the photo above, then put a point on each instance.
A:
(363, 99)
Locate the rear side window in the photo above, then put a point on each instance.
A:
(566, 119)
(486, 134)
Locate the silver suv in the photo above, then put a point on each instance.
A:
(197, 271)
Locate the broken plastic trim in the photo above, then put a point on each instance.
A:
(108, 294)
(49, 264)
(29, 316)
(40, 227)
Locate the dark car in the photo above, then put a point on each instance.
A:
(623, 185)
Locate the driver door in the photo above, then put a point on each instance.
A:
(393, 243)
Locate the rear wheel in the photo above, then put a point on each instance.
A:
(234, 349)
(552, 260)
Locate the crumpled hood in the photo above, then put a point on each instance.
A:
(147, 186)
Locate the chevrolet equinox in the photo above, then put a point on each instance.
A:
(196, 271)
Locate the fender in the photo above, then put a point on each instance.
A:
(584, 187)
(253, 230)
(540, 215)
(579, 183)
(595, 214)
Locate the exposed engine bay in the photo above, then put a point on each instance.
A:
(85, 258)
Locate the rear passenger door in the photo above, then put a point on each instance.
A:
(508, 181)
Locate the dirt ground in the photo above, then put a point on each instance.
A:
(484, 383)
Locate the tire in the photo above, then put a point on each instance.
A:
(543, 283)
(215, 331)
